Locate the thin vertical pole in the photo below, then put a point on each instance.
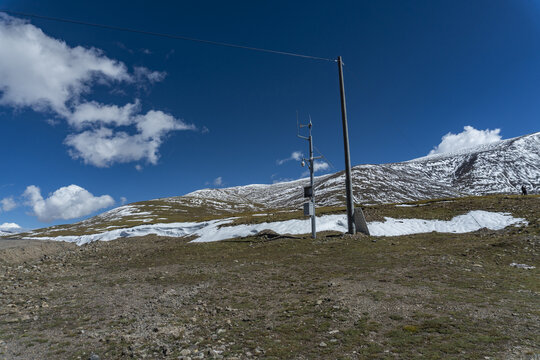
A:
(311, 182)
(348, 181)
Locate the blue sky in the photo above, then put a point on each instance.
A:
(178, 115)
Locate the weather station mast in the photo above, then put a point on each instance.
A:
(309, 191)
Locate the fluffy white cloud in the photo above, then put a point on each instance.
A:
(317, 167)
(8, 204)
(92, 112)
(68, 202)
(157, 123)
(469, 137)
(9, 227)
(296, 155)
(102, 147)
(45, 73)
(320, 166)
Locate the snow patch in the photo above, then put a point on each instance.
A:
(523, 266)
(215, 230)
(472, 221)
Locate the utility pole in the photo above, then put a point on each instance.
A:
(360, 223)
(309, 208)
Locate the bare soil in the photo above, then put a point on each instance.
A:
(421, 296)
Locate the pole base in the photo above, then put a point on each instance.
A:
(360, 221)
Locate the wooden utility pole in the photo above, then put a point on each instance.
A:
(360, 223)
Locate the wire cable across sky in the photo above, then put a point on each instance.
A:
(170, 36)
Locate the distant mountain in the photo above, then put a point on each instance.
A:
(501, 167)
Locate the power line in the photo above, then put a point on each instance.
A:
(170, 36)
(324, 157)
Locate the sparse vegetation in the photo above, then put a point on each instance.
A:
(426, 295)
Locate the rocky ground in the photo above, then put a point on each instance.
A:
(427, 295)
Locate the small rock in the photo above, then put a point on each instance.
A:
(323, 344)
(94, 357)
(185, 352)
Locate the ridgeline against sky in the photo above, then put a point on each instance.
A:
(94, 117)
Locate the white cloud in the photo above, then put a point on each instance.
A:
(296, 155)
(142, 73)
(317, 167)
(9, 226)
(45, 73)
(123, 200)
(92, 112)
(469, 137)
(138, 167)
(320, 166)
(157, 123)
(68, 202)
(103, 146)
(218, 181)
(8, 204)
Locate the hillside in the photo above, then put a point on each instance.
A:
(496, 168)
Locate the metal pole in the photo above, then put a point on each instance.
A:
(348, 181)
(311, 169)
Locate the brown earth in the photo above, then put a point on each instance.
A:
(426, 295)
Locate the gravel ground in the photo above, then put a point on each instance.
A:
(427, 295)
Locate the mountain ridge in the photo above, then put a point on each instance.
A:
(496, 168)
(513, 162)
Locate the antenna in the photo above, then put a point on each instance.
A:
(309, 191)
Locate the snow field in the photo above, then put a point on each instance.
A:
(214, 230)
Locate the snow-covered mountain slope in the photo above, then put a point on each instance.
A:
(500, 167)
